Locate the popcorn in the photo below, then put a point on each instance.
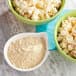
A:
(74, 30)
(73, 54)
(37, 9)
(64, 32)
(52, 11)
(60, 38)
(67, 25)
(35, 15)
(41, 16)
(67, 36)
(47, 16)
(40, 4)
(70, 47)
(30, 10)
(56, 3)
(63, 45)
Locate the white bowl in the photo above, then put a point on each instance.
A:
(21, 35)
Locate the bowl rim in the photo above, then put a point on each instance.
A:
(69, 13)
(21, 35)
(39, 21)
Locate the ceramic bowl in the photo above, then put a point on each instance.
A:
(70, 13)
(32, 22)
(21, 35)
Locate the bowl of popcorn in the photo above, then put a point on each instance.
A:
(65, 35)
(26, 51)
(36, 12)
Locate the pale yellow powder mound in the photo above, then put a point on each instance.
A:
(27, 52)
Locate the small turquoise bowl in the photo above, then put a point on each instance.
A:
(32, 22)
(70, 13)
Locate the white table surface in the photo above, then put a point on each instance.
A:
(55, 65)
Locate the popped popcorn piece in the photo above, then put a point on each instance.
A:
(47, 16)
(63, 44)
(60, 38)
(56, 3)
(30, 10)
(66, 51)
(52, 11)
(67, 25)
(70, 47)
(64, 32)
(40, 4)
(74, 30)
(73, 54)
(35, 15)
(69, 38)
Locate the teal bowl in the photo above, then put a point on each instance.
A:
(70, 13)
(32, 22)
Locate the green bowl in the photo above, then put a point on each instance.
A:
(32, 22)
(70, 13)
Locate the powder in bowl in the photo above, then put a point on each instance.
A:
(26, 52)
